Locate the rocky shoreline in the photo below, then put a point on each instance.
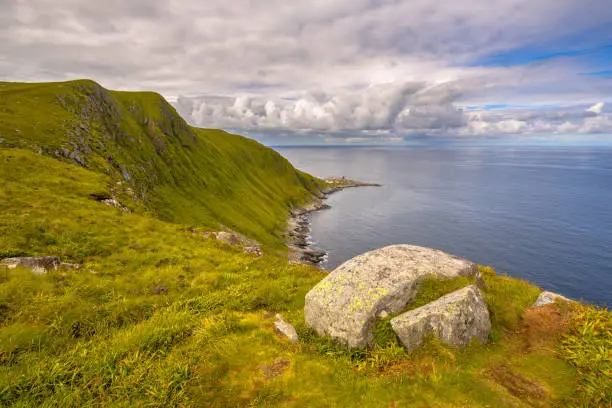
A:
(298, 227)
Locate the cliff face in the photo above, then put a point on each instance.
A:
(156, 161)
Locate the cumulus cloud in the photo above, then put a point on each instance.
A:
(384, 112)
(409, 107)
(551, 120)
(373, 67)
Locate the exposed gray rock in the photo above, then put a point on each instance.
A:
(112, 202)
(454, 319)
(37, 264)
(253, 250)
(346, 303)
(546, 298)
(233, 238)
(286, 329)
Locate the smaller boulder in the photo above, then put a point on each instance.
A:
(454, 319)
(37, 264)
(546, 298)
(286, 329)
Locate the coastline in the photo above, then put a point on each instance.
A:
(297, 234)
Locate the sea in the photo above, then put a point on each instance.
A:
(542, 214)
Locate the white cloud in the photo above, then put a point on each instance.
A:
(597, 108)
(400, 107)
(397, 66)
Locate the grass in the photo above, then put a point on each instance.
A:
(104, 335)
(157, 164)
(588, 347)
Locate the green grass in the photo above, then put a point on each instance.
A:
(104, 336)
(157, 164)
(588, 347)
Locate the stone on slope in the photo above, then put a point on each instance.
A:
(286, 329)
(454, 319)
(37, 264)
(346, 303)
(546, 298)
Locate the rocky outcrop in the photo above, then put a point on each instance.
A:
(112, 202)
(37, 264)
(346, 303)
(298, 227)
(286, 329)
(233, 238)
(454, 319)
(334, 184)
(298, 232)
(546, 298)
(255, 250)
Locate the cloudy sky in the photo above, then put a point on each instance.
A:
(343, 71)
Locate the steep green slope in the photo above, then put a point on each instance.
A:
(156, 162)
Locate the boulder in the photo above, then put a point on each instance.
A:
(286, 329)
(546, 298)
(37, 264)
(346, 303)
(454, 319)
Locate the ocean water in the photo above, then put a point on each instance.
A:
(543, 214)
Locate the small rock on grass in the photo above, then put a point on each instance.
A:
(286, 329)
(547, 298)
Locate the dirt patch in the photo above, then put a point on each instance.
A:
(526, 390)
(543, 325)
(275, 369)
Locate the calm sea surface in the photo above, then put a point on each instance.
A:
(542, 214)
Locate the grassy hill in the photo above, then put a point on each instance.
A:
(156, 163)
(106, 335)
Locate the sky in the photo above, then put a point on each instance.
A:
(337, 72)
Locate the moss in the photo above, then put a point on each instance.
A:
(434, 288)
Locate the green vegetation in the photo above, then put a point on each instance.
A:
(156, 163)
(588, 347)
(161, 316)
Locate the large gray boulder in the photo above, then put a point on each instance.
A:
(37, 264)
(346, 304)
(454, 319)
